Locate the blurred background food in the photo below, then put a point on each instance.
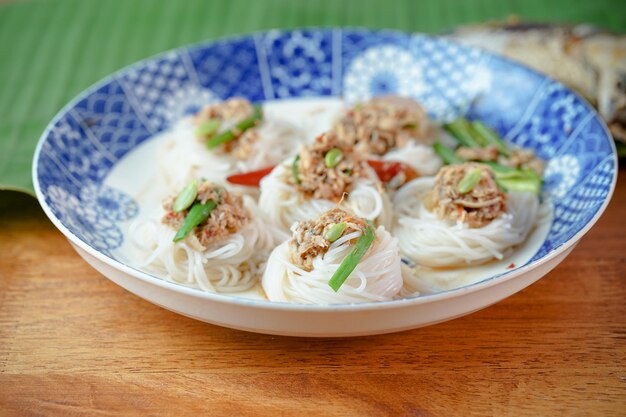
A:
(52, 50)
(590, 60)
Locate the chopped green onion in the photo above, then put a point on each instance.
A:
(186, 197)
(496, 167)
(469, 181)
(240, 127)
(208, 127)
(447, 155)
(294, 170)
(477, 137)
(490, 137)
(352, 260)
(197, 214)
(335, 231)
(514, 179)
(333, 157)
(459, 128)
(520, 184)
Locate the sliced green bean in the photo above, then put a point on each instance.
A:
(350, 262)
(447, 155)
(186, 197)
(335, 231)
(197, 214)
(240, 127)
(469, 181)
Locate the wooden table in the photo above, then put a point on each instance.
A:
(74, 343)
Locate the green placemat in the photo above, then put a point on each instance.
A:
(51, 50)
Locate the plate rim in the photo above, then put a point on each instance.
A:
(277, 305)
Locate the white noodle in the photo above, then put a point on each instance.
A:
(183, 157)
(435, 243)
(378, 277)
(283, 205)
(233, 264)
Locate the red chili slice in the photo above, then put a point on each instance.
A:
(386, 170)
(251, 179)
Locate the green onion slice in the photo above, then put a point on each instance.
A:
(197, 214)
(352, 260)
(469, 181)
(490, 137)
(522, 184)
(208, 127)
(515, 179)
(459, 128)
(294, 170)
(335, 231)
(447, 155)
(186, 197)
(333, 157)
(240, 127)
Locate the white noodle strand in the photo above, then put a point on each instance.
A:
(377, 277)
(231, 265)
(283, 205)
(436, 243)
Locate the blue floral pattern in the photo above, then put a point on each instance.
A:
(297, 63)
(86, 140)
(93, 217)
(387, 69)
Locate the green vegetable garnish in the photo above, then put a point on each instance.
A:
(208, 127)
(514, 179)
(240, 127)
(294, 170)
(519, 184)
(352, 260)
(459, 128)
(197, 214)
(497, 168)
(333, 157)
(186, 197)
(447, 155)
(335, 231)
(490, 137)
(469, 181)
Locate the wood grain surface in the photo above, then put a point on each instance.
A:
(73, 343)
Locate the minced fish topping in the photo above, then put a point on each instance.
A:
(309, 237)
(312, 175)
(383, 124)
(229, 113)
(229, 216)
(478, 207)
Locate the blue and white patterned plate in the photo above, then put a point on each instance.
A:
(86, 140)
